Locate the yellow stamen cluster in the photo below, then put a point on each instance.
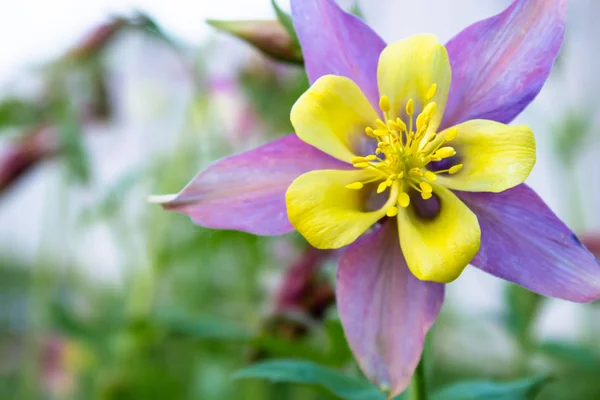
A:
(403, 151)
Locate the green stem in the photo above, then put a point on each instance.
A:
(418, 386)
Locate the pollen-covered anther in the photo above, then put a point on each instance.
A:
(425, 187)
(392, 211)
(384, 104)
(430, 176)
(410, 107)
(451, 134)
(415, 173)
(453, 170)
(355, 186)
(403, 200)
(405, 145)
(431, 92)
(444, 152)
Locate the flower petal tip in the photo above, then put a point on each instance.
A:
(161, 199)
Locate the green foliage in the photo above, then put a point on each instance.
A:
(523, 307)
(525, 389)
(274, 111)
(72, 144)
(286, 21)
(570, 135)
(15, 112)
(304, 372)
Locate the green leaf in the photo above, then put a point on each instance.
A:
(356, 10)
(339, 351)
(303, 372)
(71, 138)
(523, 309)
(286, 21)
(15, 112)
(572, 355)
(524, 389)
(201, 327)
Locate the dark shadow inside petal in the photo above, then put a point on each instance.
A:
(444, 164)
(425, 209)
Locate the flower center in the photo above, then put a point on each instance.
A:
(404, 149)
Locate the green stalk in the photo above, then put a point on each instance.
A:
(418, 386)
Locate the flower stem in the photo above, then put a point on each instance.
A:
(418, 386)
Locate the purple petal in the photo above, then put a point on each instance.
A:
(384, 309)
(337, 43)
(524, 242)
(246, 192)
(500, 64)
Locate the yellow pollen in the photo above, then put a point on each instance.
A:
(445, 152)
(451, 135)
(410, 107)
(455, 169)
(431, 92)
(403, 200)
(392, 211)
(355, 186)
(425, 187)
(430, 176)
(382, 125)
(382, 186)
(384, 104)
(405, 147)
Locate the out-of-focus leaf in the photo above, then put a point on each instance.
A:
(356, 10)
(286, 21)
(110, 204)
(524, 389)
(571, 354)
(201, 327)
(339, 351)
(66, 322)
(578, 386)
(270, 37)
(147, 24)
(16, 112)
(523, 308)
(277, 347)
(272, 96)
(569, 135)
(71, 140)
(304, 372)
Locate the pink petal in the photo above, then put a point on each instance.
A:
(500, 64)
(384, 309)
(524, 242)
(337, 43)
(246, 192)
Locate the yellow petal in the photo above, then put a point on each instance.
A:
(332, 116)
(328, 214)
(408, 69)
(495, 156)
(439, 248)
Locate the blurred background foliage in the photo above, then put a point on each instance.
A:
(195, 313)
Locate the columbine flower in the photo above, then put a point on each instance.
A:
(409, 140)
